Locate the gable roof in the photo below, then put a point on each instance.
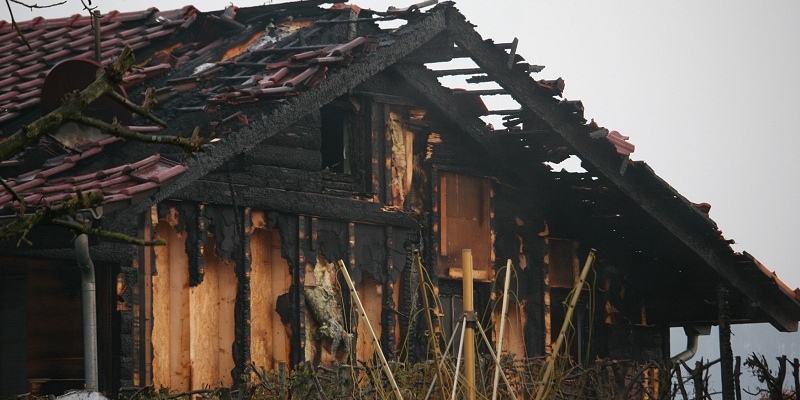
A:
(216, 69)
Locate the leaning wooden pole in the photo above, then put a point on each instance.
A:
(503, 312)
(377, 343)
(573, 301)
(469, 328)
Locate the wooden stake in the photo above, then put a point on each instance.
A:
(469, 328)
(573, 301)
(375, 340)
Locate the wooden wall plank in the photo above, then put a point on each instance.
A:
(371, 295)
(261, 300)
(281, 282)
(161, 316)
(269, 279)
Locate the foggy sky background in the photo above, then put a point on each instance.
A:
(707, 91)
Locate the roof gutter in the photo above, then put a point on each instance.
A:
(693, 333)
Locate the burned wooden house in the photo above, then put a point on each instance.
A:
(330, 138)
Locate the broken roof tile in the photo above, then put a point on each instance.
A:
(624, 148)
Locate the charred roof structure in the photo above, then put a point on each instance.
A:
(330, 138)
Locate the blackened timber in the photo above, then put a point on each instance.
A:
(353, 21)
(376, 139)
(439, 49)
(295, 203)
(407, 40)
(305, 135)
(505, 112)
(460, 53)
(273, 177)
(419, 77)
(479, 79)
(242, 311)
(388, 311)
(638, 183)
(459, 71)
(287, 157)
(298, 263)
(482, 92)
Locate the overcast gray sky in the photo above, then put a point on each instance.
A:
(707, 90)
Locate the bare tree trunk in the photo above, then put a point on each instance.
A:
(681, 385)
(697, 381)
(776, 391)
(796, 374)
(737, 374)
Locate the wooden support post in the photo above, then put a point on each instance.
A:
(469, 328)
(725, 351)
(357, 300)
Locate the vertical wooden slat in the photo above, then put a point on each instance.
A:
(242, 313)
(147, 284)
(443, 214)
(377, 135)
(280, 283)
(387, 158)
(436, 222)
(196, 266)
(351, 264)
(298, 282)
(548, 336)
(388, 314)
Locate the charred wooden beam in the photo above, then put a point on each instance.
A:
(287, 157)
(353, 21)
(376, 145)
(479, 79)
(637, 183)
(388, 311)
(241, 344)
(322, 205)
(461, 53)
(337, 84)
(483, 92)
(197, 235)
(439, 49)
(273, 177)
(505, 112)
(298, 339)
(461, 71)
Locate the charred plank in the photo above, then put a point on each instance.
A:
(295, 203)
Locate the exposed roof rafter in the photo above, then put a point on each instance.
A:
(638, 181)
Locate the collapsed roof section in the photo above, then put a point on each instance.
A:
(244, 75)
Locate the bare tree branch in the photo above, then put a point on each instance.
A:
(141, 110)
(81, 228)
(190, 145)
